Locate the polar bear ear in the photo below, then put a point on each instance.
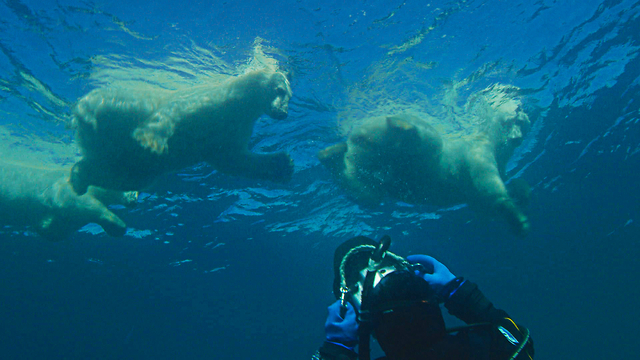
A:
(401, 122)
(288, 75)
(402, 130)
(416, 134)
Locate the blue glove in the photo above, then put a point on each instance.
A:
(441, 279)
(343, 332)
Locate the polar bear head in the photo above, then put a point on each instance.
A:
(278, 92)
(511, 126)
(505, 122)
(268, 91)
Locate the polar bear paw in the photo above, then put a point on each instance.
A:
(279, 167)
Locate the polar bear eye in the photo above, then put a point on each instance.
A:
(281, 91)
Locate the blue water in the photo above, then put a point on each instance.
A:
(218, 267)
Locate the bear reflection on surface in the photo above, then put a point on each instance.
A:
(405, 158)
(129, 138)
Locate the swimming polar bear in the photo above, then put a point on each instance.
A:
(43, 199)
(404, 157)
(128, 139)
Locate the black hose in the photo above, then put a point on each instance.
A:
(382, 248)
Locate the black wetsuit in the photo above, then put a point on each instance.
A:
(488, 340)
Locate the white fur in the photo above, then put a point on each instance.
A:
(404, 157)
(130, 138)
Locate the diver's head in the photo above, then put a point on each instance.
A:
(405, 316)
(398, 307)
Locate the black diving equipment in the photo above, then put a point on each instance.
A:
(403, 314)
(393, 303)
(384, 290)
(399, 308)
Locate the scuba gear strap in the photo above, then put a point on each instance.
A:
(366, 323)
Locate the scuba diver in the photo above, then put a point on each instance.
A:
(396, 300)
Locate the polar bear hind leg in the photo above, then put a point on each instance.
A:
(333, 157)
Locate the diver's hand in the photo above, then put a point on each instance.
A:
(341, 331)
(440, 276)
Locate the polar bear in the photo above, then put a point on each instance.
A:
(404, 157)
(43, 199)
(128, 138)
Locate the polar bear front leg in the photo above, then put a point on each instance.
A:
(81, 177)
(332, 157)
(490, 192)
(517, 220)
(155, 135)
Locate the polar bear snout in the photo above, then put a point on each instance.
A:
(279, 107)
(280, 115)
(278, 110)
(281, 94)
